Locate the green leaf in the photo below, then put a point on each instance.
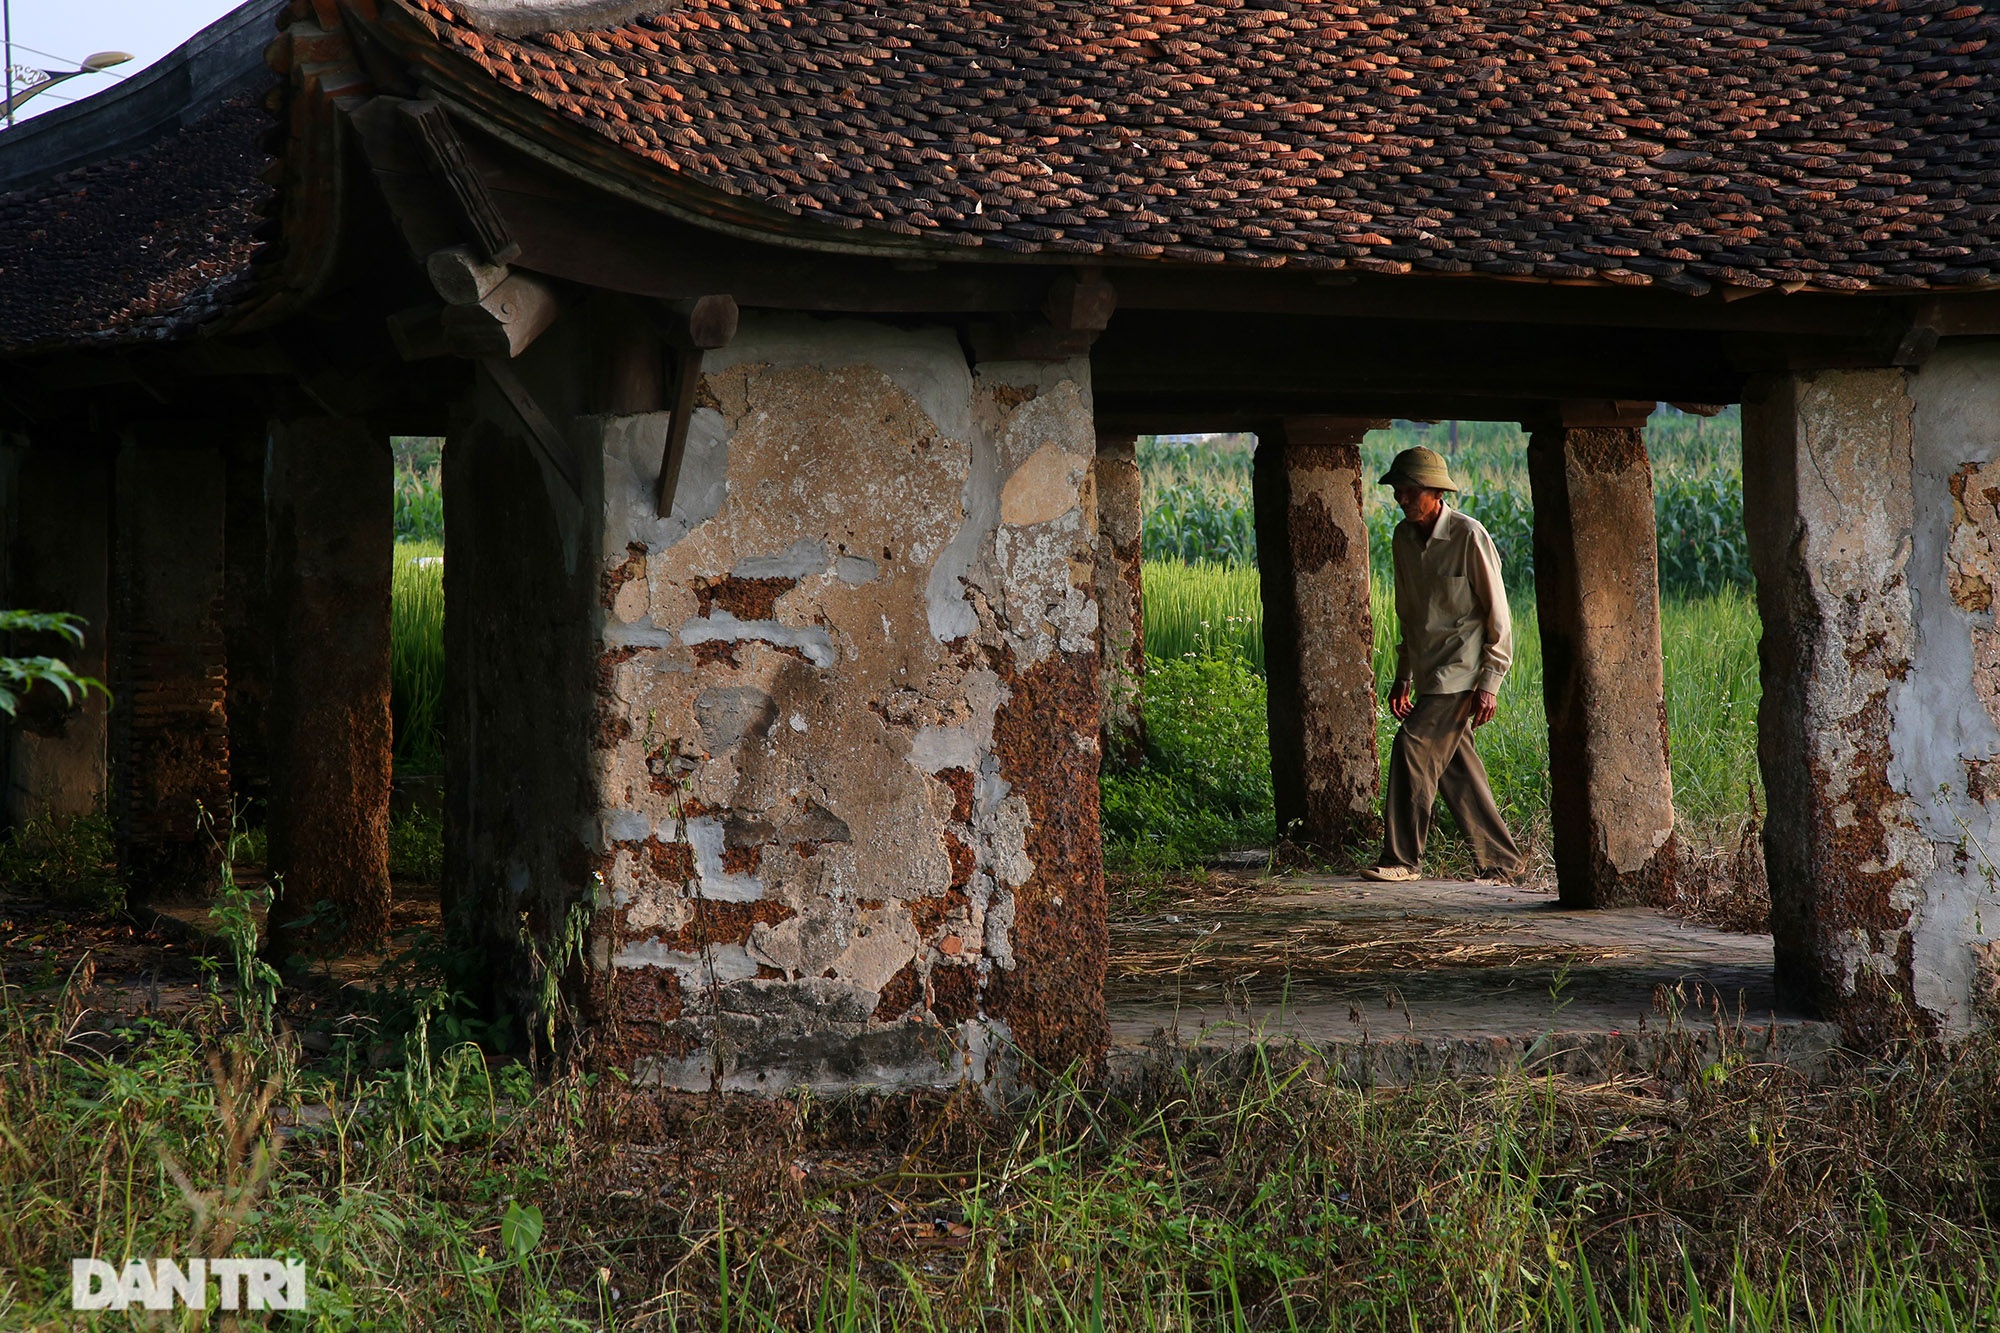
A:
(520, 1229)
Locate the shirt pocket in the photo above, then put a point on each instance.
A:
(1450, 603)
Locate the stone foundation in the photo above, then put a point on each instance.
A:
(810, 763)
(169, 717)
(1319, 640)
(1120, 600)
(58, 559)
(1871, 498)
(1597, 596)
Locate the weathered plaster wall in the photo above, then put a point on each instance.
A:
(1944, 739)
(1120, 599)
(834, 798)
(1597, 597)
(1831, 499)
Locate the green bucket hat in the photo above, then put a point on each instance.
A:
(1419, 467)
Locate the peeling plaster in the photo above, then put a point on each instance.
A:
(1939, 726)
(722, 627)
(708, 838)
(720, 964)
(802, 557)
(821, 728)
(1831, 491)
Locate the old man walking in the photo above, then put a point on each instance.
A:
(1457, 643)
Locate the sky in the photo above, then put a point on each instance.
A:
(63, 33)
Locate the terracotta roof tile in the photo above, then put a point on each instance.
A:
(1775, 140)
(140, 248)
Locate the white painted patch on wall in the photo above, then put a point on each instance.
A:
(722, 627)
(706, 836)
(801, 559)
(721, 964)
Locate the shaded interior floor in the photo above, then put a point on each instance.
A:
(1338, 960)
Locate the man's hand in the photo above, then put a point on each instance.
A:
(1400, 702)
(1483, 705)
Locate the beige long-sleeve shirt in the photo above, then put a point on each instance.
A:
(1457, 632)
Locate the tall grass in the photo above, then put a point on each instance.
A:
(416, 656)
(443, 1192)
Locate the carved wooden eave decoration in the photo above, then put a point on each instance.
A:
(323, 81)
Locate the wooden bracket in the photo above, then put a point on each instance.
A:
(1920, 337)
(448, 158)
(504, 321)
(1077, 307)
(418, 333)
(548, 441)
(692, 328)
(461, 277)
(1081, 302)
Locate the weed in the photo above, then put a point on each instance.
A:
(416, 845)
(64, 859)
(1206, 782)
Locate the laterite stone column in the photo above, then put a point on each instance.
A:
(804, 769)
(1597, 596)
(331, 548)
(1121, 615)
(246, 615)
(1873, 506)
(169, 681)
(1319, 639)
(59, 560)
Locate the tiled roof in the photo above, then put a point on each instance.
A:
(1840, 145)
(136, 248)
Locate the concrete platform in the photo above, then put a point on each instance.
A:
(1392, 981)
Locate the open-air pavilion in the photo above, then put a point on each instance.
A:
(789, 357)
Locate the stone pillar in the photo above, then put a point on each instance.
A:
(811, 762)
(246, 616)
(59, 560)
(169, 720)
(1312, 559)
(1120, 601)
(1873, 500)
(331, 544)
(1597, 596)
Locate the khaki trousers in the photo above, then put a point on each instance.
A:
(1432, 757)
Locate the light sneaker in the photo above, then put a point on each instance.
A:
(1390, 874)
